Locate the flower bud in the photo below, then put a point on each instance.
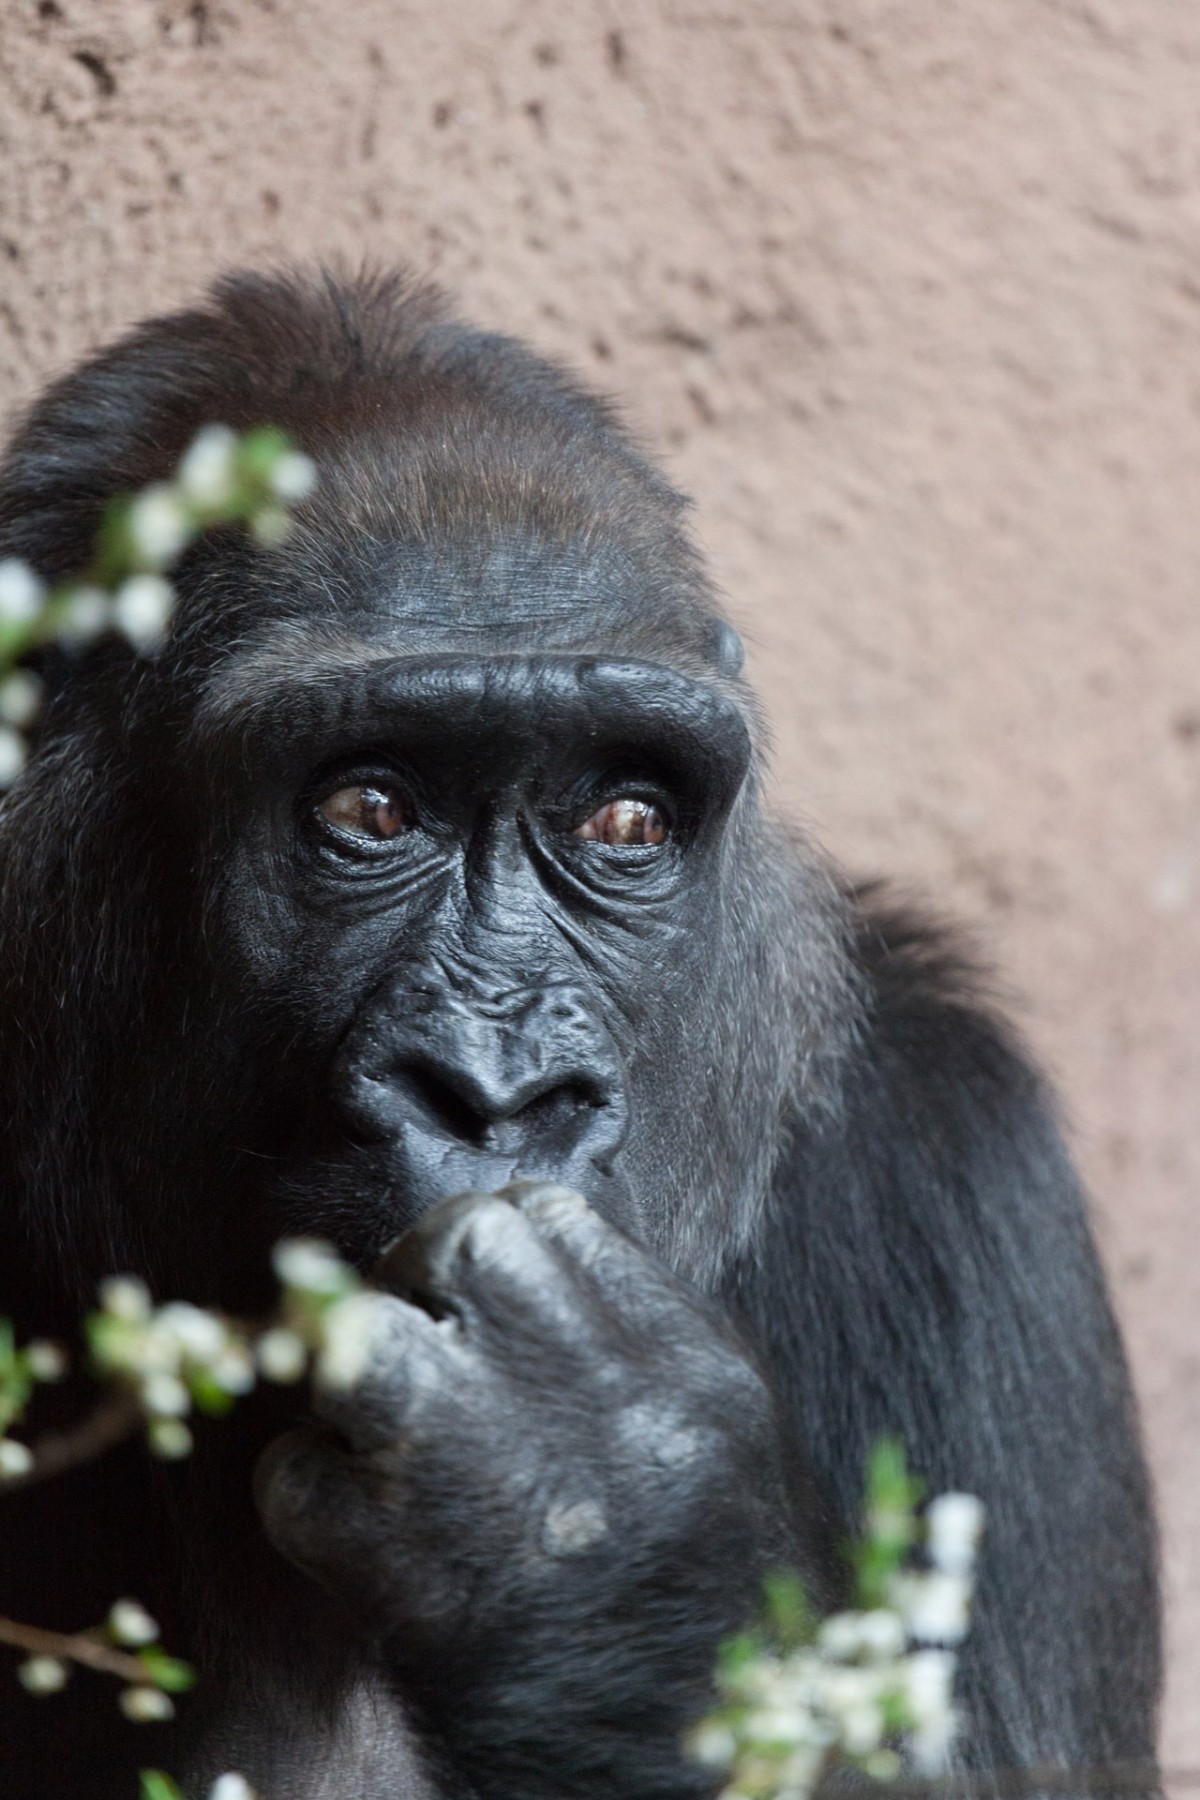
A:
(126, 1297)
(20, 698)
(281, 1354)
(21, 593)
(43, 1674)
(206, 473)
(130, 1623)
(15, 1459)
(146, 1705)
(158, 525)
(169, 1438)
(12, 755)
(142, 610)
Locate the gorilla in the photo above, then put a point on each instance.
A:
(417, 895)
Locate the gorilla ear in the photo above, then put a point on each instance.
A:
(728, 649)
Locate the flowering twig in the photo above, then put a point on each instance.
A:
(222, 479)
(124, 1646)
(868, 1686)
(76, 1646)
(115, 1417)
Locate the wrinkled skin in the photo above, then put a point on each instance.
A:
(424, 861)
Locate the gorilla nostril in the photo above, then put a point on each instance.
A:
(447, 1106)
(558, 1106)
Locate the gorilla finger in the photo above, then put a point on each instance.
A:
(325, 1509)
(627, 1281)
(479, 1256)
(382, 1364)
(565, 1218)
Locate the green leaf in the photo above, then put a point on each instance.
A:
(259, 451)
(890, 1487)
(166, 1672)
(788, 1609)
(212, 1399)
(735, 1655)
(890, 1527)
(157, 1786)
(115, 554)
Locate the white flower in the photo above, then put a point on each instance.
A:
(935, 1607)
(126, 1297)
(231, 1787)
(271, 525)
(878, 1634)
(169, 1438)
(159, 526)
(281, 1354)
(20, 698)
(862, 1727)
(43, 1674)
(142, 609)
(207, 470)
(199, 1334)
(881, 1634)
(47, 1361)
(86, 612)
(712, 1744)
(21, 593)
(15, 1459)
(146, 1704)
(930, 1745)
(233, 1369)
(954, 1524)
(12, 755)
(293, 477)
(838, 1636)
(347, 1327)
(777, 1725)
(130, 1623)
(310, 1265)
(165, 1396)
(928, 1684)
(142, 1350)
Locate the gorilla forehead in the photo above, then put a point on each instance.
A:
(513, 707)
(477, 586)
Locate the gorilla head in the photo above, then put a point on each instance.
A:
(440, 818)
(427, 857)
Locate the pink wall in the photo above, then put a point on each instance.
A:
(908, 295)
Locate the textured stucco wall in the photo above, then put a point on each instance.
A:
(909, 297)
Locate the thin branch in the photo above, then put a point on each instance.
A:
(76, 1647)
(116, 1417)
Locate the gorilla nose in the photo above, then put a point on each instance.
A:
(530, 1075)
(513, 1099)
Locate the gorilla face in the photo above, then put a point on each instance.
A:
(448, 890)
(491, 882)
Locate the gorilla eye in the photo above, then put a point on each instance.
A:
(367, 809)
(624, 821)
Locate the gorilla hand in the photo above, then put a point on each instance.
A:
(554, 1488)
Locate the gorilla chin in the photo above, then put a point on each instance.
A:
(425, 859)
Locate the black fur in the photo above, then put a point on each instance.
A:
(830, 1197)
